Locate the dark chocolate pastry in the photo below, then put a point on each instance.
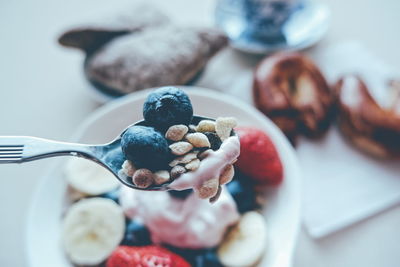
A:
(368, 125)
(291, 91)
(94, 34)
(169, 55)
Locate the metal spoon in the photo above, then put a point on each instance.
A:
(20, 149)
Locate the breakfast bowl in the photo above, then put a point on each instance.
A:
(281, 211)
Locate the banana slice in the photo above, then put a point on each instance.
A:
(92, 229)
(88, 177)
(245, 243)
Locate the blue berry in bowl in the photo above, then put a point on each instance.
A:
(146, 148)
(242, 191)
(167, 106)
(208, 258)
(136, 234)
(180, 194)
(199, 257)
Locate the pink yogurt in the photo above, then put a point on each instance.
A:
(191, 223)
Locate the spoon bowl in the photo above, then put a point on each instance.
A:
(108, 158)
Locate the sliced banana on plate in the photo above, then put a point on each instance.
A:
(88, 177)
(245, 243)
(92, 229)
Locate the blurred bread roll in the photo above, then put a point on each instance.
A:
(289, 88)
(367, 124)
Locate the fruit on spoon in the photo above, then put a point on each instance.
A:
(145, 147)
(167, 106)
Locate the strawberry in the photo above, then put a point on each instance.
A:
(258, 157)
(148, 256)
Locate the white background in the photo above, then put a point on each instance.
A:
(43, 93)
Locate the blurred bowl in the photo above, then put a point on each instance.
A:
(304, 27)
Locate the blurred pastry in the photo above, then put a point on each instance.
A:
(141, 49)
(291, 91)
(367, 124)
(155, 57)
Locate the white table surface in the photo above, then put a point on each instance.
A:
(43, 94)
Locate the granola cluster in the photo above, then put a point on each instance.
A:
(188, 147)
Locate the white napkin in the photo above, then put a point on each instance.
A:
(341, 184)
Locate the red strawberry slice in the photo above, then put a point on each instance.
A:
(258, 157)
(148, 256)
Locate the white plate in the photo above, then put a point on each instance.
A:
(282, 211)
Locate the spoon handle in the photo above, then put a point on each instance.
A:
(19, 149)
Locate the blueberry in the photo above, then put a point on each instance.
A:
(145, 147)
(214, 139)
(207, 259)
(243, 193)
(167, 106)
(198, 257)
(113, 195)
(180, 194)
(136, 234)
